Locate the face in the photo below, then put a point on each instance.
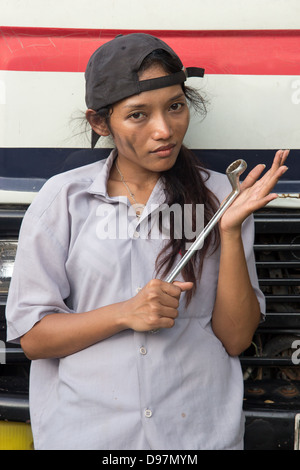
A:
(148, 129)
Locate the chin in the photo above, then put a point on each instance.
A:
(168, 163)
(165, 163)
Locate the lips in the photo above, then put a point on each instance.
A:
(164, 147)
(164, 150)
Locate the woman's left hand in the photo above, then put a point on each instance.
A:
(255, 193)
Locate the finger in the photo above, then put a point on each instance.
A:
(162, 293)
(284, 156)
(281, 156)
(162, 318)
(279, 160)
(184, 286)
(161, 322)
(263, 201)
(253, 176)
(271, 177)
(172, 288)
(168, 312)
(165, 322)
(169, 301)
(268, 185)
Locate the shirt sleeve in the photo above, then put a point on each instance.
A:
(39, 284)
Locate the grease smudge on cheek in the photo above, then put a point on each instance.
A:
(128, 145)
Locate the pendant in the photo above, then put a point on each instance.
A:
(138, 209)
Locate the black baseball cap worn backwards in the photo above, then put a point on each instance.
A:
(112, 71)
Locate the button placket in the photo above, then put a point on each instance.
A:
(139, 278)
(134, 229)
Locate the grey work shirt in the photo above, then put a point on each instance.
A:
(175, 389)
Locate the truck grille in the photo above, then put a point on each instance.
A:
(277, 253)
(271, 365)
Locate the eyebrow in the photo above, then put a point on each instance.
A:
(142, 105)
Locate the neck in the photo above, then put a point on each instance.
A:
(131, 182)
(137, 176)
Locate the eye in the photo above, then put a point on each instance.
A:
(176, 106)
(137, 116)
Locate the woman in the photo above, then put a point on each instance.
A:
(122, 359)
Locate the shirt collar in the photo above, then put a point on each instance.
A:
(99, 185)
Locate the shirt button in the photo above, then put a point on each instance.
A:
(136, 234)
(148, 413)
(143, 350)
(138, 289)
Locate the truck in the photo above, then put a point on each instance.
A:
(250, 51)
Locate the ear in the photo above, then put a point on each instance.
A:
(97, 123)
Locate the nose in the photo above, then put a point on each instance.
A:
(161, 128)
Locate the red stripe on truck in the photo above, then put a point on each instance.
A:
(219, 52)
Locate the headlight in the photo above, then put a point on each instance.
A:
(8, 250)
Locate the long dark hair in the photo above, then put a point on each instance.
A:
(184, 184)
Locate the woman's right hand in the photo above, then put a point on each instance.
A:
(155, 306)
(61, 334)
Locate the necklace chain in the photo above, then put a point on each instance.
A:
(125, 184)
(137, 206)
